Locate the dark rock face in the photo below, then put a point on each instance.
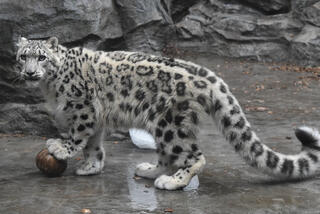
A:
(26, 119)
(145, 24)
(269, 7)
(306, 46)
(262, 30)
(273, 30)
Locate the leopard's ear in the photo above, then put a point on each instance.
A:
(22, 41)
(52, 42)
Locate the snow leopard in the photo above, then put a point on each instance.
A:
(90, 91)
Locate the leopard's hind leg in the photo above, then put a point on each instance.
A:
(178, 151)
(94, 155)
(152, 171)
(184, 156)
(189, 164)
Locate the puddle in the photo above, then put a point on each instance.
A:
(141, 195)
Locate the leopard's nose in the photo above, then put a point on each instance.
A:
(30, 73)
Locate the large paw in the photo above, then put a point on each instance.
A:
(56, 148)
(90, 167)
(147, 170)
(170, 182)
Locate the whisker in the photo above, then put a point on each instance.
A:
(17, 79)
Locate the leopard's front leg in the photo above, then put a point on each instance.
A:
(83, 123)
(59, 149)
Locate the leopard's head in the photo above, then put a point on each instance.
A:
(36, 57)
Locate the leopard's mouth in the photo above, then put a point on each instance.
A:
(32, 78)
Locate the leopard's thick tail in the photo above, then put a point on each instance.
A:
(231, 120)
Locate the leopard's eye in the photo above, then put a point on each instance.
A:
(42, 58)
(23, 57)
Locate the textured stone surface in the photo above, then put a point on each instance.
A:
(273, 30)
(269, 7)
(311, 14)
(306, 45)
(145, 24)
(261, 30)
(22, 118)
(238, 31)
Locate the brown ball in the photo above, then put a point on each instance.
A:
(49, 165)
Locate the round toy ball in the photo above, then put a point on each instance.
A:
(49, 165)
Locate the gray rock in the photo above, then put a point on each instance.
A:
(26, 118)
(244, 34)
(145, 24)
(306, 46)
(269, 7)
(177, 9)
(19, 94)
(299, 5)
(311, 14)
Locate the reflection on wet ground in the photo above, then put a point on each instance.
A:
(138, 193)
(275, 102)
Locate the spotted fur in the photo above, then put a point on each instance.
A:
(90, 90)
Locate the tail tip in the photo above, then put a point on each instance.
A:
(309, 137)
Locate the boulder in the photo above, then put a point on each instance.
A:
(236, 31)
(311, 14)
(19, 118)
(145, 24)
(269, 7)
(305, 47)
(70, 21)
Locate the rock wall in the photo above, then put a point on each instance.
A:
(273, 30)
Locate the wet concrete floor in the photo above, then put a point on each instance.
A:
(276, 100)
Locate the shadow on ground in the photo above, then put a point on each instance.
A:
(276, 101)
